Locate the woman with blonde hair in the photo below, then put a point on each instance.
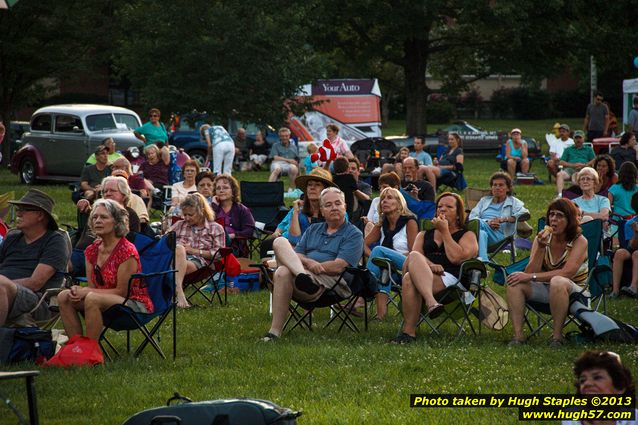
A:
(591, 204)
(198, 239)
(395, 234)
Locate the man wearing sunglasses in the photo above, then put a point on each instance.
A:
(30, 258)
(596, 118)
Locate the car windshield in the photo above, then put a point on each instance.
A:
(102, 122)
(131, 121)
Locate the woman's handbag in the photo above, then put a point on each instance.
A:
(494, 313)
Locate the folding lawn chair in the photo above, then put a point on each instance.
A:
(340, 307)
(512, 242)
(459, 303)
(209, 278)
(597, 280)
(454, 181)
(266, 203)
(458, 300)
(158, 276)
(390, 274)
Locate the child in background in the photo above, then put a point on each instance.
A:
(309, 165)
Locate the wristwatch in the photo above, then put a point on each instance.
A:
(533, 278)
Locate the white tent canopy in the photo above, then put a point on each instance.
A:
(629, 90)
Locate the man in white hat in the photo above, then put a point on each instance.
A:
(31, 256)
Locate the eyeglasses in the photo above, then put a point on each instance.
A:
(586, 179)
(97, 273)
(21, 209)
(557, 214)
(154, 115)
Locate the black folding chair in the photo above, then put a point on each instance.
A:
(341, 307)
(266, 203)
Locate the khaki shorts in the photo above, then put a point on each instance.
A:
(540, 291)
(323, 281)
(24, 302)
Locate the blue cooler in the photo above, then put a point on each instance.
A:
(248, 280)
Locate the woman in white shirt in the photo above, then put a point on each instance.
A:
(395, 233)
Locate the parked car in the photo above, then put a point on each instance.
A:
(474, 139)
(62, 137)
(16, 130)
(184, 133)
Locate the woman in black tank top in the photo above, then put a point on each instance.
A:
(434, 261)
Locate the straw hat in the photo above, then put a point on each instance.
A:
(319, 175)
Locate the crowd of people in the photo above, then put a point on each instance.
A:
(334, 223)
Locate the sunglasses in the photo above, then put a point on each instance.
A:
(97, 273)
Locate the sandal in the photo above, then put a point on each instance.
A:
(435, 310)
(269, 337)
(556, 343)
(403, 339)
(629, 291)
(304, 283)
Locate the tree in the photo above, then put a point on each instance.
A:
(236, 58)
(447, 38)
(42, 40)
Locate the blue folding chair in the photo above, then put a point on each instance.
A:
(454, 180)
(158, 276)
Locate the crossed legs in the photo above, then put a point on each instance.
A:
(620, 257)
(419, 283)
(283, 282)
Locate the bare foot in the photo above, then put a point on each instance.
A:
(182, 302)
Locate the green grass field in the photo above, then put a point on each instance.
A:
(334, 378)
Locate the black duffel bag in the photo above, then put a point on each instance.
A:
(236, 411)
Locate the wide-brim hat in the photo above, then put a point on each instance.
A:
(318, 174)
(37, 198)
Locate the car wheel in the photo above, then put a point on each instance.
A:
(27, 171)
(199, 156)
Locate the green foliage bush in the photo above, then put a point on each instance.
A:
(521, 103)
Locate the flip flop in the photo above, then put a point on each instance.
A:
(435, 310)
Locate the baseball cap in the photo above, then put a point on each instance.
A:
(516, 130)
(564, 127)
(579, 133)
(101, 148)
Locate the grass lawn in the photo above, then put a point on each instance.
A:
(334, 378)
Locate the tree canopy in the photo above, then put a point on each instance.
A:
(235, 58)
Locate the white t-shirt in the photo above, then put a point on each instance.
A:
(557, 146)
(373, 212)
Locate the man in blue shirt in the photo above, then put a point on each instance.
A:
(316, 263)
(422, 156)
